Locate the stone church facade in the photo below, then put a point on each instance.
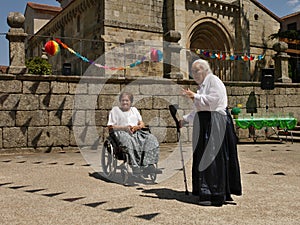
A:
(118, 33)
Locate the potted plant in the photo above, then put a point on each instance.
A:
(38, 66)
(236, 110)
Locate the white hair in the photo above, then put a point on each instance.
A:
(204, 64)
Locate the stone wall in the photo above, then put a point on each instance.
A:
(53, 113)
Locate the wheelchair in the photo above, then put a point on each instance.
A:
(114, 159)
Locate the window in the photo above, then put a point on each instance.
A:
(62, 33)
(292, 26)
(78, 23)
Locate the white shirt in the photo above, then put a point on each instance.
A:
(120, 118)
(211, 96)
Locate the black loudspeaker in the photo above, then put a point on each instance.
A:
(66, 69)
(267, 79)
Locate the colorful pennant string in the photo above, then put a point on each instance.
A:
(224, 56)
(52, 48)
(155, 55)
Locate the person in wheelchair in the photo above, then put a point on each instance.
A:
(128, 128)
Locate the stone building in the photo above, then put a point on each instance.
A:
(37, 15)
(127, 29)
(292, 23)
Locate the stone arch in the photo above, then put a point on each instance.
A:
(210, 34)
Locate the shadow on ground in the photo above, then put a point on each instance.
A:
(132, 180)
(169, 194)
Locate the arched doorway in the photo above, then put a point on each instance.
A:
(210, 35)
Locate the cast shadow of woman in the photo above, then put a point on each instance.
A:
(169, 194)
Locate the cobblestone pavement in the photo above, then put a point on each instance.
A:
(56, 188)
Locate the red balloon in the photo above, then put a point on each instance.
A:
(52, 47)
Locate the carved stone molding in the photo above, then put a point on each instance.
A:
(214, 6)
(15, 20)
(172, 36)
(141, 27)
(68, 15)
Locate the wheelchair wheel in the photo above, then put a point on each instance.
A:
(108, 160)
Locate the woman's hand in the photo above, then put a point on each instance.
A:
(129, 129)
(187, 92)
(182, 123)
(135, 128)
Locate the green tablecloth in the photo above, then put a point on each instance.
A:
(258, 123)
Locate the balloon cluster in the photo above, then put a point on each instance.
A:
(156, 55)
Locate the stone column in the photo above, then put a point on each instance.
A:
(172, 55)
(44, 54)
(16, 37)
(281, 63)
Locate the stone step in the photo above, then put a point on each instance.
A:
(295, 133)
(297, 128)
(288, 135)
(286, 138)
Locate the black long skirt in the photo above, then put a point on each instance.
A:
(215, 171)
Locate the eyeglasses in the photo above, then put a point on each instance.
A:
(195, 71)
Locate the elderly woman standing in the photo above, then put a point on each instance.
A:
(215, 171)
(127, 124)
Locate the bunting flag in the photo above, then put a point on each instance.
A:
(52, 49)
(224, 56)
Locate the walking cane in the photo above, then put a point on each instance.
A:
(173, 111)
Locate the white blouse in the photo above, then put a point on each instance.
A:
(120, 118)
(211, 96)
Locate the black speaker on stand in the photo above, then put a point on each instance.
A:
(267, 79)
(267, 82)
